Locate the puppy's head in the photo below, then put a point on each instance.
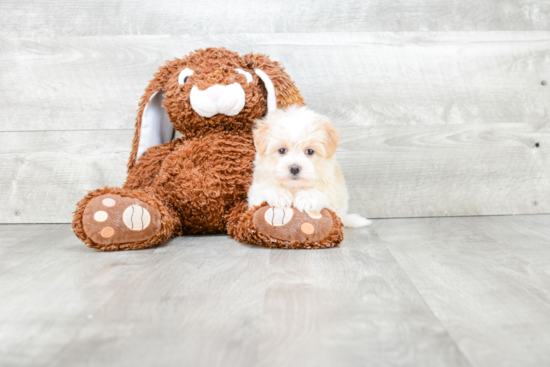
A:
(295, 145)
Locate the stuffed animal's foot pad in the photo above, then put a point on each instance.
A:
(112, 219)
(292, 225)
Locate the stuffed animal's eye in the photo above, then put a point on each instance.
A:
(309, 151)
(184, 75)
(282, 151)
(246, 74)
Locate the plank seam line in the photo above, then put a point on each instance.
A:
(46, 131)
(462, 216)
(390, 218)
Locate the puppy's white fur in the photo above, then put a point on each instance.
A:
(319, 183)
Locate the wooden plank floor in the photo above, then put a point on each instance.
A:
(463, 291)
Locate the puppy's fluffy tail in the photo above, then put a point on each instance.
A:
(354, 221)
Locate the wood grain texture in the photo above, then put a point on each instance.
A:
(462, 291)
(446, 170)
(46, 173)
(487, 279)
(210, 301)
(391, 171)
(124, 17)
(348, 306)
(160, 306)
(409, 78)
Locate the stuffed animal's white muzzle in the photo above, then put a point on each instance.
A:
(226, 99)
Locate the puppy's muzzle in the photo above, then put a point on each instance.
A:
(295, 169)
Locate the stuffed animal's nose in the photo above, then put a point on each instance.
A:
(295, 169)
(215, 92)
(226, 99)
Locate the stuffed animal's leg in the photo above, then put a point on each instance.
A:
(111, 219)
(274, 227)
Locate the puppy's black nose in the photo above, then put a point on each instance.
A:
(294, 169)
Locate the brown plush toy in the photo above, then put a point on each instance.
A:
(191, 161)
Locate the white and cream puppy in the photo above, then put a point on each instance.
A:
(295, 165)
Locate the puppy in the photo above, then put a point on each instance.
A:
(295, 165)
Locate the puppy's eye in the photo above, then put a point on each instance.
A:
(309, 152)
(282, 151)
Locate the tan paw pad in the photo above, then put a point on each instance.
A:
(307, 228)
(107, 232)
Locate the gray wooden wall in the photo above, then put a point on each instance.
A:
(440, 102)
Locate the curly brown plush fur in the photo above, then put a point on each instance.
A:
(199, 182)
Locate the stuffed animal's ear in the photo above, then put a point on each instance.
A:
(281, 90)
(156, 128)
(153, 126)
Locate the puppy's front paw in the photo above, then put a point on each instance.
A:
(280, 198)
(309, 201)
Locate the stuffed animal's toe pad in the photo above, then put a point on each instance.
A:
(112, 219)
(292, 225)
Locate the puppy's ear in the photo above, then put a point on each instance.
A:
(281, 90)
(332, 137)
(261, 137)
